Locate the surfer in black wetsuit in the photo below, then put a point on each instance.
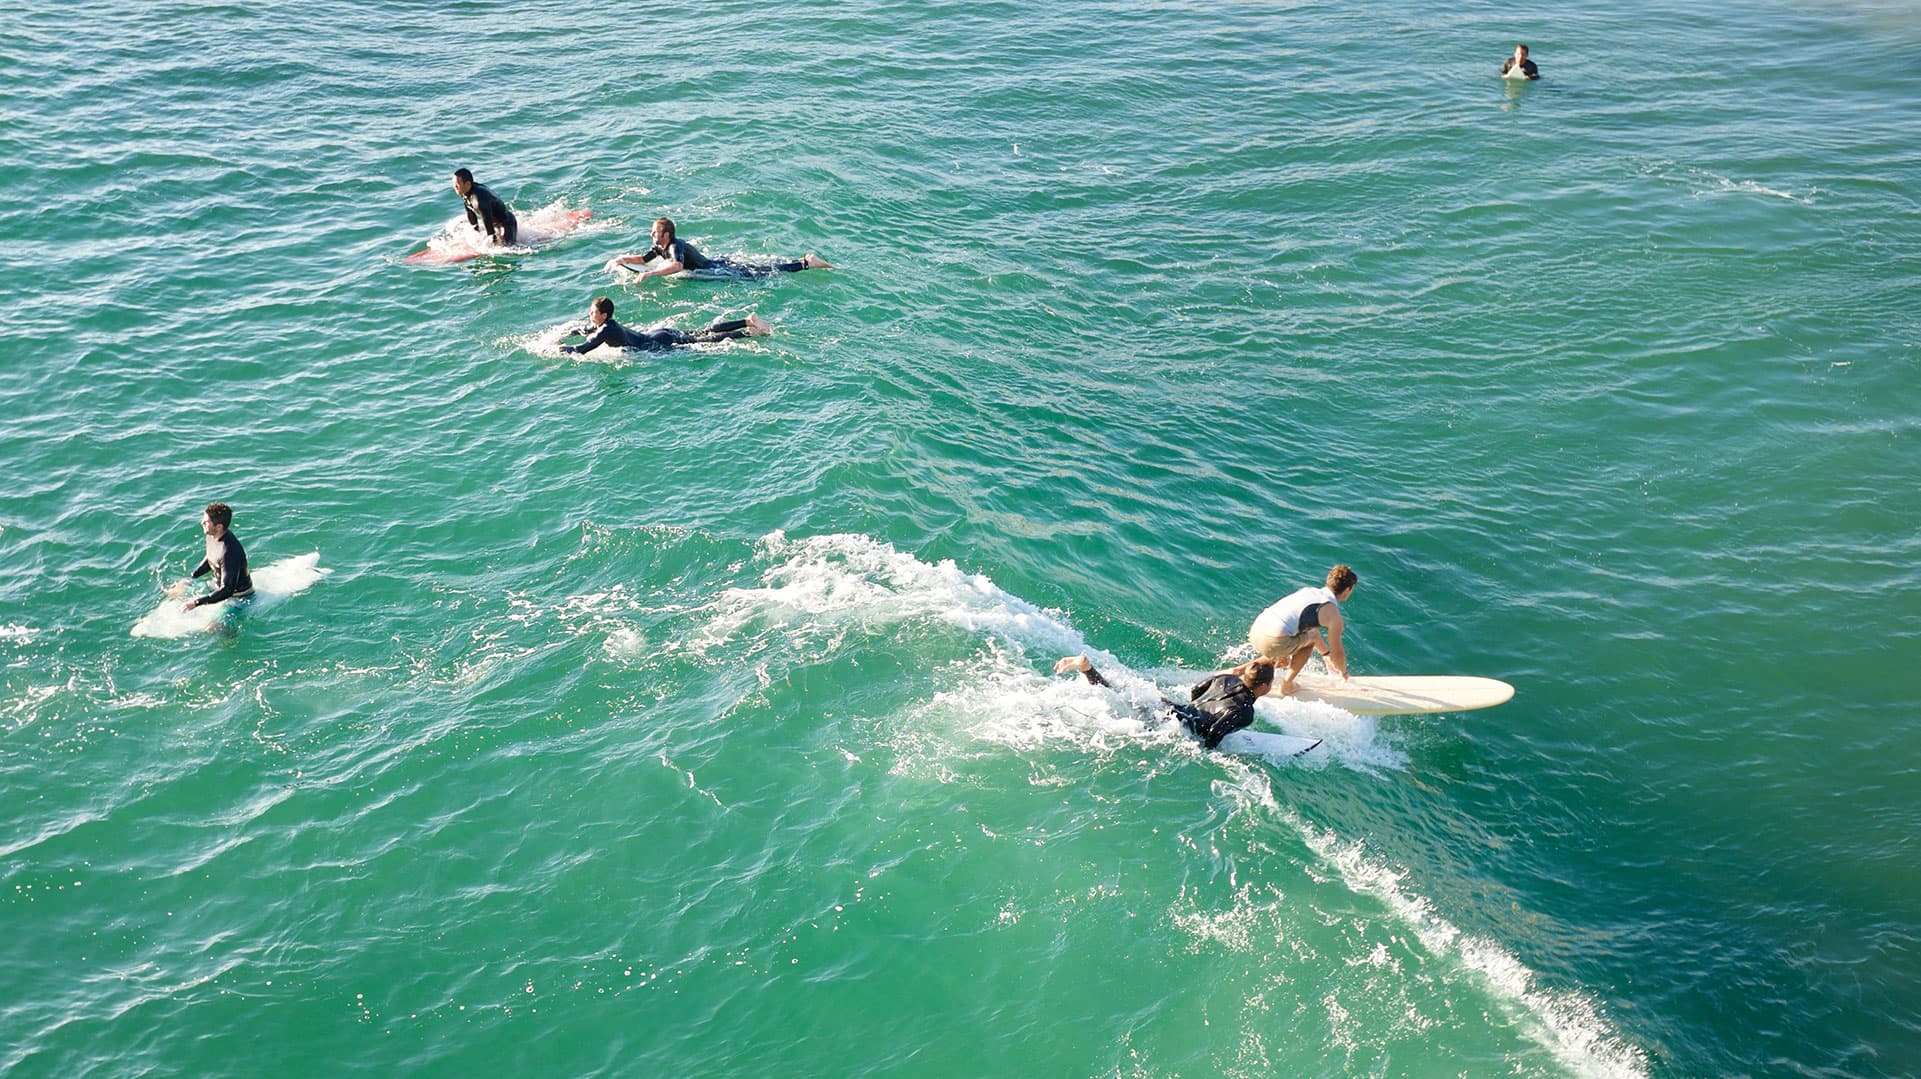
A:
(601, 329)
(1520, 62)
(485, 211)
(226, 559)
(1218, 705)
(674, 255)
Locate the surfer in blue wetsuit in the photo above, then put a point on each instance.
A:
(671, 256)
(1289, 632)
(1217, 705)
(485, 211)
(226, 560)
(601, 329)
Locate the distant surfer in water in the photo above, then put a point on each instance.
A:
(674, 255)
(485, 212)
(601, 329)
(1519, 66)
(1217, 705)
(1289, 632)
(226, 559)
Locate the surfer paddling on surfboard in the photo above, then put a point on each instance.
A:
(226, 560)
(601, 329)
(1289, 632)
(485, 212)
(1219, 704)
(674, 255)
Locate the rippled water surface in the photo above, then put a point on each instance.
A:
(690, 713)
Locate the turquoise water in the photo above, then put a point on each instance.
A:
(690, 714)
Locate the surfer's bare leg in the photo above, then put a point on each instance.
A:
(1295, 663)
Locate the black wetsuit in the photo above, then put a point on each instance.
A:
(487, 213)
(614, 335)
(1221, 704)
(690, 258)
(229, 569)
(1527, 68)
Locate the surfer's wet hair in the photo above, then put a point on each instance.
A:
(668, 224)
(1341, 578)
(605, 306)
(220, 513)
(463, 176)
(1255, 673)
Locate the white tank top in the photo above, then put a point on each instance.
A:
(1287, 610)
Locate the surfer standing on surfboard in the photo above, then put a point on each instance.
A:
(1289, 632)
(676, 255)
(226, 560)
(1221, 703)
(485, 211)
(1519, 66)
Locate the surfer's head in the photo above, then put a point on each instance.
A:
(1341, 581)
(1256, 674)
(463, 181)
(601, 310)
(216, 520)
(1520, 52)
(663, 231)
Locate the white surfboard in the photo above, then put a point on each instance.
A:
(271, 584)
(1249, 742)
(1403, 695)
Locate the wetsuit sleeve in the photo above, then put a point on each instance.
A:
(490, 214)
(205, 567)
(472, 219)
(1094, 676)
(599, 338)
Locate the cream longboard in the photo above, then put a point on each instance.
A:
(1403, 695)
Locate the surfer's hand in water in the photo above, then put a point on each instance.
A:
(175, 589)
(1073, 663)
(190, 605)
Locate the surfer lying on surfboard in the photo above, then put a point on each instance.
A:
(1219, 705)
(1289, 632)
(673, 256)
(603, 330)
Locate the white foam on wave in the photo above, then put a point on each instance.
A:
(1567, 1023)
(818, 589)
(1703, 182)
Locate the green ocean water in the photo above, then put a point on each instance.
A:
(689, 713)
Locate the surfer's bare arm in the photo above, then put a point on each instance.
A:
(1336, 653)
(1081, 664)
